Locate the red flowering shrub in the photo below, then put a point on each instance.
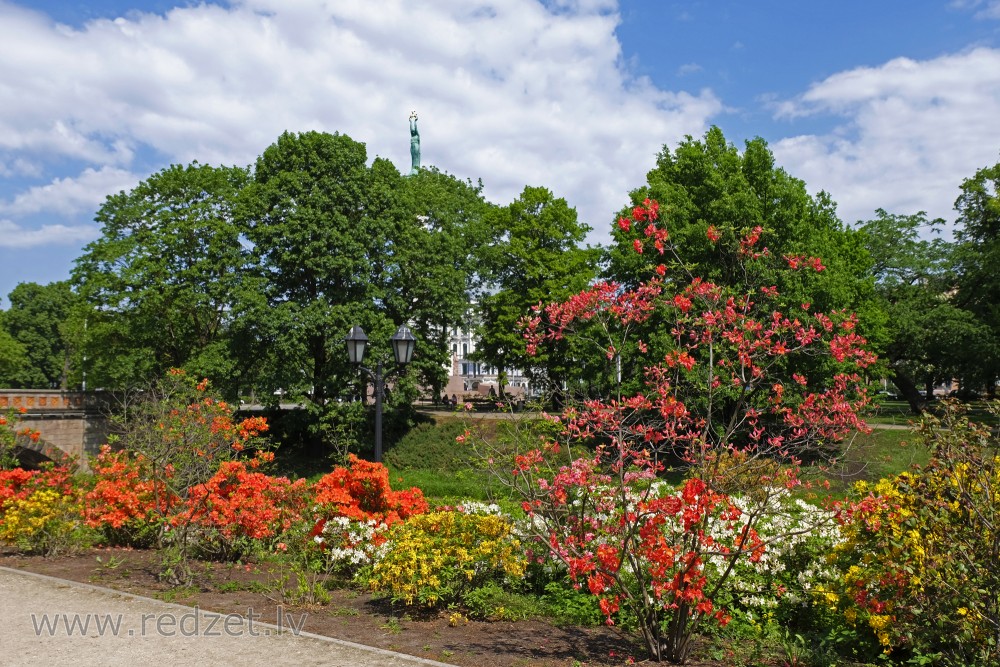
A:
(740, 390)
(15, 484)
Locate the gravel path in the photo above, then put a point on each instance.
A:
(51, 622)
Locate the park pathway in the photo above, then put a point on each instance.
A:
(53, 622)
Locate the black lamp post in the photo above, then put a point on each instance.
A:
(403, 343)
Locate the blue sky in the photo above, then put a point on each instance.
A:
(882, 104)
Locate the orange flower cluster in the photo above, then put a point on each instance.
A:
(240, 502)
(124, 492)
(362, 492)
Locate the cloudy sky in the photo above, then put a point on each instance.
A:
(882, 104)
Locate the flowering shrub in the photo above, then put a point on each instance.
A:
(782, 595)
(742, 389)
(361, 491)
(921, 551)
(15, 485)
(431, 558)
(41, 511)
(182, 435)
(125, 502)
(351, 544)
(238, 504)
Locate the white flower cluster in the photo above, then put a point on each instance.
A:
(352, 544)
(476, 507)
(797, 536)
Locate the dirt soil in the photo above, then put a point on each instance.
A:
(350, 614)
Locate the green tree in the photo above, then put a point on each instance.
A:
(326, 229)
(40, 322)
(930, 338)
(12, 357)
(708, 188)
(534, 256)
(164, 276)
(977, 257)
(438, 268)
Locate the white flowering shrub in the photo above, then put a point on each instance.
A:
(351, 544)
(781, 586)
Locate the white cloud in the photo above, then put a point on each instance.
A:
(15, 236)
(911, 131)
(984, 9)
(70, 196)
(507, 90)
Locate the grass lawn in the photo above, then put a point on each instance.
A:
(881, 453)
(428, 457)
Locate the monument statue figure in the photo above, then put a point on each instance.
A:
(414, 144)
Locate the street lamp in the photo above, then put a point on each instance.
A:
(403, 343)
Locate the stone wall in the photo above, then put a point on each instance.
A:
(70, 422)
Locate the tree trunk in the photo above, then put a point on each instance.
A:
(908, 387)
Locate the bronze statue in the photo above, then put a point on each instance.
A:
(414, 144)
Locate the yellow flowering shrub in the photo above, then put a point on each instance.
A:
(47, 521)
(920, 561)
(432, 558)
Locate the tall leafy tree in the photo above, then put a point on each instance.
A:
(163, 277)
(977, 257)
(40, 321)
(535, 255)
(12, 357)
(931, 339)
(438, 268)
(326, 229)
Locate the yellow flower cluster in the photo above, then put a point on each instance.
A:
(431, 558)
(44, 514)
(899, 546)
(879, 624)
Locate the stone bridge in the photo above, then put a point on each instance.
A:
(71, 423)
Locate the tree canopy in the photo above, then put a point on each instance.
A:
(534, 254)
(977, 257)
(164, 275)
(40, 336)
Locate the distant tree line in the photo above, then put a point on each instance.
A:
(253, 276)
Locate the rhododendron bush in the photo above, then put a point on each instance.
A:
(192, 477)
(40, 510)
(738, 390)
(361, 491)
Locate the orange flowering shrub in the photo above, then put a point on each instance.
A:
(362, 492)
(240, 503)
(125, 501)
